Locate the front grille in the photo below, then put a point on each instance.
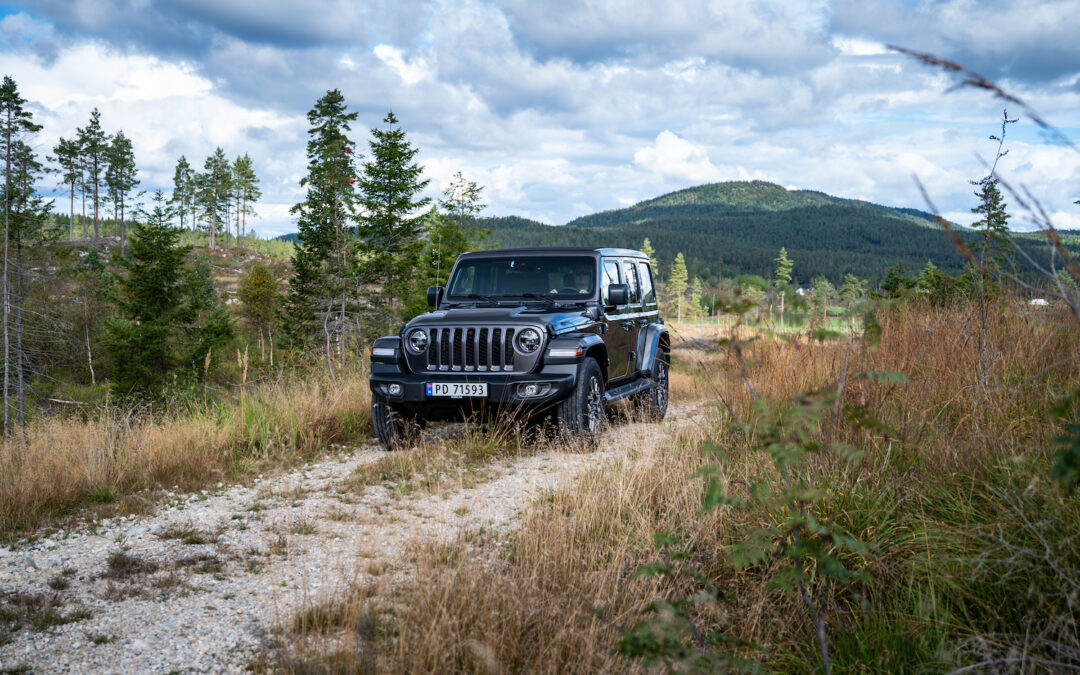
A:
(472, 349)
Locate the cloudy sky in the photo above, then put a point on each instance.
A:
(561, 109)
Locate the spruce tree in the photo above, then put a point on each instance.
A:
(782, 280)
(324, 271)
(676, 285)
(393, 216)
(647, 249)
(996, 243)
(169, 314)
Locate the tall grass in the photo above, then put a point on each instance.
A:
(974, 552)
(64, 462)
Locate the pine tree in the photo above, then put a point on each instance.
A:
(822, 292)
(676, 285)
(15, 122)
(324, 271)
(93, 144)
(258, 291)
(454, 233)
(67, 157)
(213, 191)
(393, 215)
(247, 192)
(695, 298)
(852, 293)
(120, 177)
(782, 280)
(183, 193)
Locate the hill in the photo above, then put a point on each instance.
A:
(738, 227)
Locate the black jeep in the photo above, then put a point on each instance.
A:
(552, 333)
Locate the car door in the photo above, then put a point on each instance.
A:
(650, 308)
(631, 318)
(615, 336)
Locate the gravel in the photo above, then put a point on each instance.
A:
(210, 574)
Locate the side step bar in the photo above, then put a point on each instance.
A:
(629, 389)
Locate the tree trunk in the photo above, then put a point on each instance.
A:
(71, 217)
(20, 364)
(781, 311)
(90, 355)
(7, 229)
(96, 199)
(239, 242)
(270, 333)
(243, 230)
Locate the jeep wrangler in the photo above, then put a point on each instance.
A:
(546, 333)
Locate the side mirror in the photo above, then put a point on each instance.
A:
(434, 295)
(618, 294)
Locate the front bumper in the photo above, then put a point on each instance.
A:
(555, 382)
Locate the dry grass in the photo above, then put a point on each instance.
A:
(64, 463)
(951, 486)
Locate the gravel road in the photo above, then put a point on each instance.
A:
(197, 586)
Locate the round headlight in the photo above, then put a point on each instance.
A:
(418, 340)
(528, 340)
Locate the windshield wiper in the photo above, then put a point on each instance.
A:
(485, 298)
(539, 296)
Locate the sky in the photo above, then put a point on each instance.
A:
(562, 109)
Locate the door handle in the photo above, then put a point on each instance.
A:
(627, 325)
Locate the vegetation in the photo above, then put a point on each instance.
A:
(936, 547)
(735, 228)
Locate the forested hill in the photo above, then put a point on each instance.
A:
(739, 227)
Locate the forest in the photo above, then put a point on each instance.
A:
(736, 228)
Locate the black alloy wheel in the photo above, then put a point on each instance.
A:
(582, 412)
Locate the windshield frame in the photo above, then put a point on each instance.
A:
(544, 295)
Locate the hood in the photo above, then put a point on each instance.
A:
(557, 320)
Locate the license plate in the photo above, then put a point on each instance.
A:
(457, 389)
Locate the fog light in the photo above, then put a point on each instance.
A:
(531, 390)
(393, 389)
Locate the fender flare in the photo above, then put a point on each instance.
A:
(583, 345)
(656, 339)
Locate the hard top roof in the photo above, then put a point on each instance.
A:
(554, 250)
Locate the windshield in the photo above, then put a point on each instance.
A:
(554, 277)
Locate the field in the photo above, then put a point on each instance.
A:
(889, 493)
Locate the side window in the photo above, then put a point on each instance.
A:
(648, 292)
(611, 276)
(632, 281)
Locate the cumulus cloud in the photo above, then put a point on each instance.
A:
(567, 108)
(670, 155)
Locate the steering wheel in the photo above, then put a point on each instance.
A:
(568, 289)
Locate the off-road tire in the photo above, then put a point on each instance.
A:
(651, 405)
(581, 414)
(395, 429)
